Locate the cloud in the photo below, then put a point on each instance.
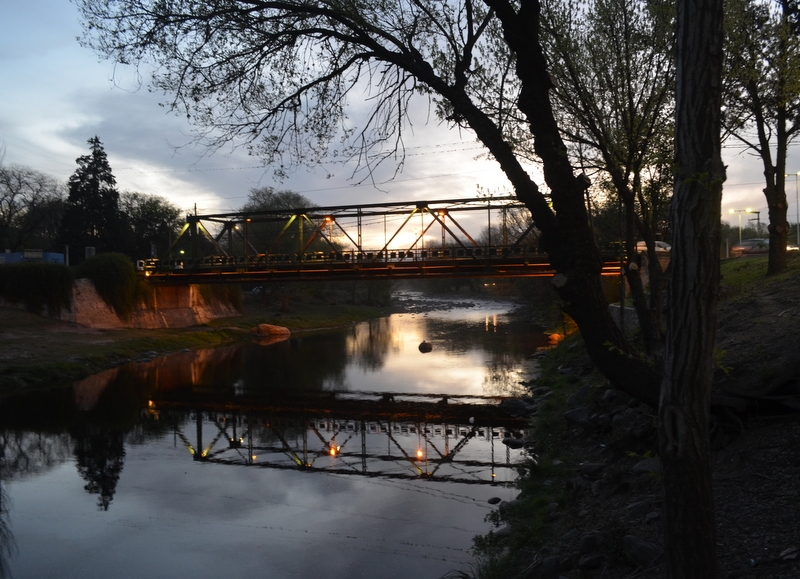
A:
(56, 95)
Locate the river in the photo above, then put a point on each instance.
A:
(344, 453)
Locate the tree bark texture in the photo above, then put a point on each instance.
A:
(693, 294)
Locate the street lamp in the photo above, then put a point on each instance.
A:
(740, 211)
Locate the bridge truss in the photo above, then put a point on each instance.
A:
(371, 241)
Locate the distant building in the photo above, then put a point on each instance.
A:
(31, 256)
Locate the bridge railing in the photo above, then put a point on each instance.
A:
(346, 258)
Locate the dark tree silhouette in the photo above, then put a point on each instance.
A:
(100, 454)
(150, 222)
(91, 216)
(30, 208)
(683, 414)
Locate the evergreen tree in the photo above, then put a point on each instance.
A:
(91, 216)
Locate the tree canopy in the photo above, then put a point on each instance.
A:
(762, 100)
(91, 216)
(96, 214)
(151, 224)
(268, 234)
(31, 204)
(614, 67)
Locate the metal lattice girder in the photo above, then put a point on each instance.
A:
(354, 216)
(328, 244)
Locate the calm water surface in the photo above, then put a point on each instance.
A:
(327, 455)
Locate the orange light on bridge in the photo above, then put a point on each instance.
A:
(441, 212)
(420, 454)
(329, 219)
(334, 450)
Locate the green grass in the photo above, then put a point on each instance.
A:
(739, 276)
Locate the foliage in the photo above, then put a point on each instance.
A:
(762, 99)
(614, 70)
(114, 277)
(31, 204)
(270, 210)
(91, 216)
(222, 293)
(615, 73)
(150, 221)
(37, 285)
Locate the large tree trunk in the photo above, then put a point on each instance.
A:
(778, 226)
(567, 236)
(693, 288)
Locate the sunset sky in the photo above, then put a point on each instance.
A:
(56, 94)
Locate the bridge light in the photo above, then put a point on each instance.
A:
(329, 219)
(420, 454)
(441, 212)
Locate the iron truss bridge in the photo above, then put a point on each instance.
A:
(349, 444)
(401, 240)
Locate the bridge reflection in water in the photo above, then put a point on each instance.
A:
(365, 443)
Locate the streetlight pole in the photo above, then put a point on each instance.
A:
(740, 211)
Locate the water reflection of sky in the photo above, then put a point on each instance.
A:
(172, 516)
(477, 350)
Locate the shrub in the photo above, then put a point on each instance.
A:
(37, 285)
(222, 293)
(115, 279)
